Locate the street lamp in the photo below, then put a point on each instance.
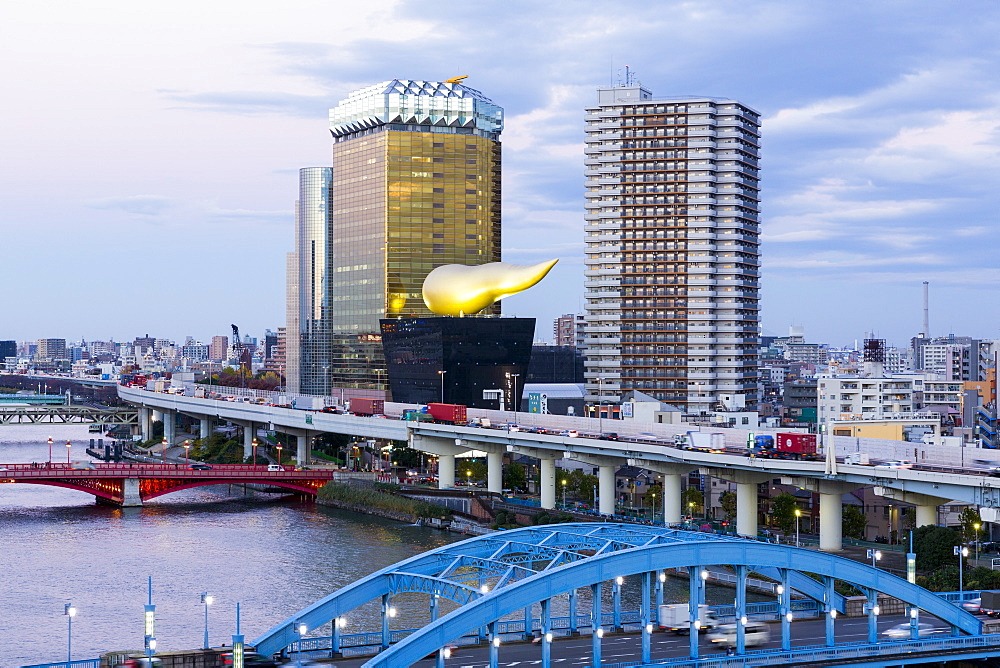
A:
(442, 373)
(652, 508)
(69, 447)
(206, 600)
(279, 453)
(187, 448)
(976, 537)
(564, 481)
(468, 478)
(70, 613)
(961, 552)
(874, 555)
(516, 396)
(163, 454)
(798, 514)
(50, 449)
(253, 444)
(300, 629)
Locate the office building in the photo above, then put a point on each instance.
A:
(414, 184)
(567, 330)
(672, 266)
(50, 350)
(219, 348)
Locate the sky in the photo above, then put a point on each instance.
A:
(150, 153)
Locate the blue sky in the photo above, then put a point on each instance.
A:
(151, 154)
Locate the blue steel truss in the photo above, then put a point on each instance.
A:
(497, 575)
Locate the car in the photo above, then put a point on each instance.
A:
(200, 467)
(896, 464)
(995, 471)
(610, 436)
(973, 605)
(570, 433)
(513, 427)
(755, 633)
(249, 659)
(902, 631)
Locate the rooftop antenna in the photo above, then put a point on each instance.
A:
(927, 310)
(629, 79)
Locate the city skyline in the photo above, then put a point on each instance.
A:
(182, 141)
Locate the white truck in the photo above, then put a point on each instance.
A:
(705, 441)
(677, 618)
(860, 458)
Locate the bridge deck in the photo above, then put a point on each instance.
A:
(222, 472)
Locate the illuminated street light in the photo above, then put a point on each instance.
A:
(253, 444)
(163, 453)
(50, 449)
(206, 600)
(798, 514)
(874, 555)
(279, 453)
(187, 448)
(69, 446)
(70, 613)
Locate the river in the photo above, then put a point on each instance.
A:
(273, 555)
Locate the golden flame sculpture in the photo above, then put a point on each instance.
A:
(456, 289)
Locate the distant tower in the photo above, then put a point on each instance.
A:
(874, 358)
(927, 311)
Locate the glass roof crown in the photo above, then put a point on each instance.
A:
(438, 104)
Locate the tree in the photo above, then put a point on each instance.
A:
(971, 524)
(853, 522)
(783, 509)
(934, 546)
(728, 502)
(514, 478)
(693, 499)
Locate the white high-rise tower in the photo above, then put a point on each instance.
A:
(672, 268)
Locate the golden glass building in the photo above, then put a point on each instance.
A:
(414, 184)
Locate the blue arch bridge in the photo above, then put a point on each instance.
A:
(500, 588)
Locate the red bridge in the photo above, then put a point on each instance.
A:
(133, 484)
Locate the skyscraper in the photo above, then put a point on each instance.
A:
(414, 184)
(672, 249)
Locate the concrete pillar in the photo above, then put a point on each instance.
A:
(547, 482)
(169, 420)
(446, 471)
(205, 425)
(927, 514)
(303, 449)
(746, 508)
(145, 423)
(249, 432)
(130, 493)
(494, 471)
(830, 522)
(673, 505)
(606, 489)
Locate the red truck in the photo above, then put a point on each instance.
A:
(360, 406)
(795, 446)
(451, 413)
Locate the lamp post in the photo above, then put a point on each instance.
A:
(652, 508)
(253, 445)
(50, 449)
(691, 510)
(874, 555)
(69, 446)
(70, 613)
(976, 537)
(442, 373)
(798, 514)
(187, 448)
(517, 404)
(206, 600)
(163, 453)
(564, 481)
(279, 453)
(961, 552)
(300, 630)
(468, 478)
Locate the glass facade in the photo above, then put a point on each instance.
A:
(405, 194)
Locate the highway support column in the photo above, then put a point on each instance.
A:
(673, 503)
(927, 505)
(145, 423)
(606, 467)
(746, 495)
(446, 449)
(169, 424)
(547, 478)
(831, 510)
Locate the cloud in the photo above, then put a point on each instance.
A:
(144, 205)
(252, 103)
(846, 260)
(282, 217)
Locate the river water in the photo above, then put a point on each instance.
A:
(271, 554)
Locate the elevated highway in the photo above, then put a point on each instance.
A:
(651, 450)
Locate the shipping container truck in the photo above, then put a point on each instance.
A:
(677, 618)
(416, 415)
(989, 603)
(450, 413)
(860, 458)
(787, 446)
(362, 406)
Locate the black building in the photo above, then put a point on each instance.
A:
(556, 364)
(474, 354)
(7, 349)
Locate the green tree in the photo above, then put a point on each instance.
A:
(783, 509)
(515, 478)
(728, 502)
(853, 522)
(934, 546)
(693, 500)
(971, 524)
